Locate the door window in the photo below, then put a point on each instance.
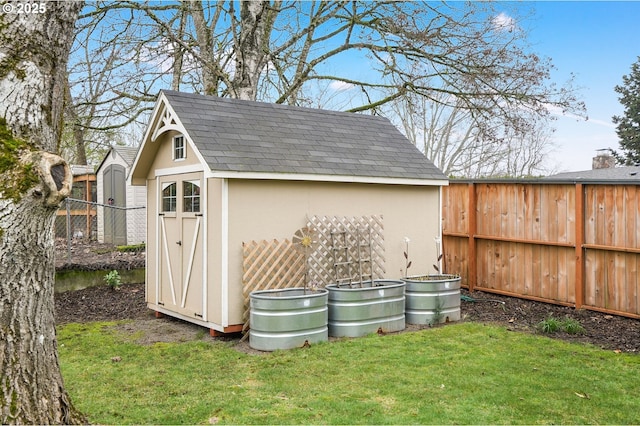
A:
(191, 197)
(169, 200)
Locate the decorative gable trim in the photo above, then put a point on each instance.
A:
(168, 121)
(163, 119)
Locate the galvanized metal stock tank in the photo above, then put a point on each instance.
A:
(287, 318)
(432, 299)
(358, 311)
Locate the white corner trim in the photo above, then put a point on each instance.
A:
(158, 273)
(205, 249)
(224, 255)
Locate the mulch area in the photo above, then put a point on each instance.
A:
(609, 332)
(102, 303)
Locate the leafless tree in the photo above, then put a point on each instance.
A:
(465, 56)
(449, 136)
(34, 48)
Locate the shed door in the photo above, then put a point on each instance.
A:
(180, 244)
(115, 199)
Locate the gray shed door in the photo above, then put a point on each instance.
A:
(115, 200)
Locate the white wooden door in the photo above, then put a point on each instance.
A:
(180, 231)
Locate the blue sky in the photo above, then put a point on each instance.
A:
(598, 42)
(595, 40)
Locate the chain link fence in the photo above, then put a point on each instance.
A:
(92, 232)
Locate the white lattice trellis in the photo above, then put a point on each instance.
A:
(321, 260)
(270, 265)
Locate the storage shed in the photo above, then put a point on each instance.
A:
(121, 216)
(222, 172)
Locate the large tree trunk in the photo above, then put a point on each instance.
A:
(252, 46)
(204, 36)
(34, 48)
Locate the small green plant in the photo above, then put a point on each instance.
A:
(113, 279)
(552, 325)
(572, 326)
(549, 325)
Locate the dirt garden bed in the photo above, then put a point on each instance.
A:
(104, 304)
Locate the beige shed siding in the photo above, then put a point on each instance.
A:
(261, 209)
(163, 159)
(215, 234)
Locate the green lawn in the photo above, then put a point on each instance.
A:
(464, 373)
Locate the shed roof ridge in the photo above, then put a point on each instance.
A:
(257, 103)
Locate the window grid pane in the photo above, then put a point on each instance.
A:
(178, 148)
(191, 197)
(169, 199)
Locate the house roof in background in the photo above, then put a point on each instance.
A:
(80, 169)
(243, 136)
(631, 173)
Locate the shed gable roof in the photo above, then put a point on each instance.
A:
(127, 153)
(243, 136)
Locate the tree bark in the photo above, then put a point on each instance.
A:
(252, 46)
(34, 48)
(204, 36)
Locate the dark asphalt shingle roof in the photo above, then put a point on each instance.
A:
(127, 153)
(245, 136)
(630, 173)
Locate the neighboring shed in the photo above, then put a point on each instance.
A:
(76, 216)
(222, 172)
(121, 221)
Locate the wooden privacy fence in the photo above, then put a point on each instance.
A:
(573, 244)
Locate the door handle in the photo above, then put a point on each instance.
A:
(179, 243)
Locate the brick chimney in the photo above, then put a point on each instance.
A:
(603, 159)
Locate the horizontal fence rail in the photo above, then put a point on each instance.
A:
(572, 244)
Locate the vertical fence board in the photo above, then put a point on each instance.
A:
(527, 270)
(636, 207)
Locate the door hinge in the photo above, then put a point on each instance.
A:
(161, 303)
(198, 214)
(198, 315)
(160, 214)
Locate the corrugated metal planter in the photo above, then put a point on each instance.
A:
(359, 311)
(432, 299)
(287, 318)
